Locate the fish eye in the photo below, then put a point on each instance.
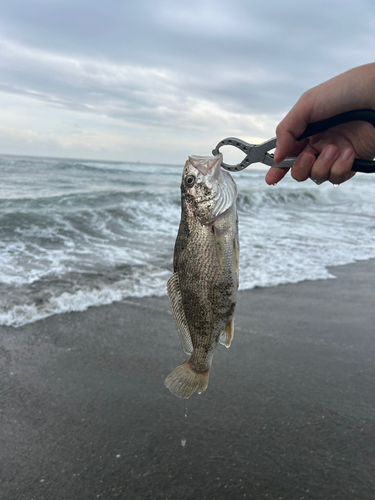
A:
(190, 181)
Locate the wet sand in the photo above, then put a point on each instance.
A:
(289, 412)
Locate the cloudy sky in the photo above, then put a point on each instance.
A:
(154, 81)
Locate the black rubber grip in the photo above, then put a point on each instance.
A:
(364, 115)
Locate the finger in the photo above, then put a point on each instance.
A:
(285, 143)
(321, 168)
(291, 127)
(299, 147)
(341, 169)
(301, 169)
(274, 175)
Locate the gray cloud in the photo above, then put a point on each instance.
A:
(175, 66)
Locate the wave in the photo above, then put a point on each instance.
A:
(267, 199)
(39, 306)
(54, 236)
(76, 234)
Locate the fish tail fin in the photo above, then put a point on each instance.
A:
(183, 381)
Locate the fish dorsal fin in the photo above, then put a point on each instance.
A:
(236, 250)
(226, 336)
(175, 299)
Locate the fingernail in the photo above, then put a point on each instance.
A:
(347, 154)
(305, 161)
(330, 153)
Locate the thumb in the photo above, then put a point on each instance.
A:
(284, 144)
(291, 127)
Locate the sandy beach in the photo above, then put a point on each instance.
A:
(289, 412)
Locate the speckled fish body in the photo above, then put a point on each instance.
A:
(203, 287)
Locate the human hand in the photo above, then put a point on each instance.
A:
(338, 146)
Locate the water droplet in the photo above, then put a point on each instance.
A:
(183, 442)
(199, 392)
(185, 412)
(336, 185)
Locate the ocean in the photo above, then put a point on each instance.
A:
(77, 233)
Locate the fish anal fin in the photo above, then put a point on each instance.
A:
(226, 336)
(175, 300)
(183, 381)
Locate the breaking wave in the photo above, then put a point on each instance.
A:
(77, 234)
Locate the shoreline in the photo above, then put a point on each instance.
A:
(131, 299)
(290, 407)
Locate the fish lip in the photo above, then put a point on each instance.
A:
(207, 165)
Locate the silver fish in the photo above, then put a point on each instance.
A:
(203, 287)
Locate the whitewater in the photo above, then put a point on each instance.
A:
(77, 233)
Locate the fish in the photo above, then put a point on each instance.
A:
(202, 290)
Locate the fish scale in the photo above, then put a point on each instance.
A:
(203, 288)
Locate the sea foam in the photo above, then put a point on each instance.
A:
(77, 234)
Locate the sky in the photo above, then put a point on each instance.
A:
(156, 81)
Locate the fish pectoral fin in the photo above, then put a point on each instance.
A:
(226, 336)
(175, 299)
(219, 237)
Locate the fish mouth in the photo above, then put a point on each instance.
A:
(207, 164)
